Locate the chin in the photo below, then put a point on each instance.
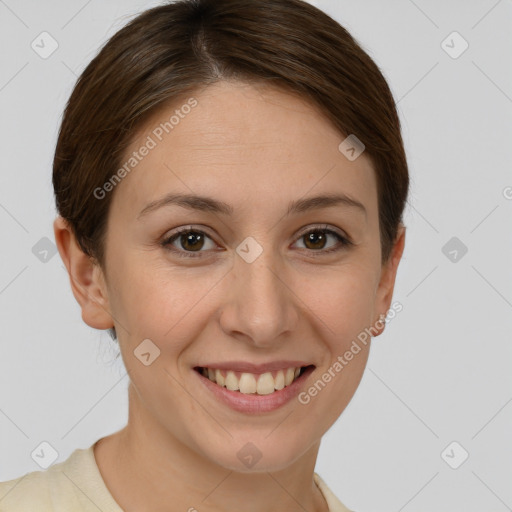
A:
(259, 455)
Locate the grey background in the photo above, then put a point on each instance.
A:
(441, 372)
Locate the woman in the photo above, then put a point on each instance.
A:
(230, 179)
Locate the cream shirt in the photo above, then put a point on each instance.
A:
(76, 485)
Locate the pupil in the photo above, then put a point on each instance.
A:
(317, 237)
(189, 239)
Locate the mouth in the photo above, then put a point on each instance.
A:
(246, 383)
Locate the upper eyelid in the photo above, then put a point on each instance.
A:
(321, 227)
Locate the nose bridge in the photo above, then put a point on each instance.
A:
(261, 305)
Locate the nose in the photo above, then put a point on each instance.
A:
(260, 307)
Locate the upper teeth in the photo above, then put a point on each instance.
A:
(262, 384)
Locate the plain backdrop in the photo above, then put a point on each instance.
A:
(438, 386)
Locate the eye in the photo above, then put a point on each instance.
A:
(316, 240)
(190, 240)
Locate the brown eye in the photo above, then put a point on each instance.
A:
(317, 240)
(192, 241)
(188, 241)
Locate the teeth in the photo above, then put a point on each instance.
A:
(279, 380)
(288, 379)
(247, 383)
(219, 378)
(265, 384)
(232, 381)
(250, 383)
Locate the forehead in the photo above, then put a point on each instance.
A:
(244, 144)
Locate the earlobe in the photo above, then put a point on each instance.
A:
(86, 278)
(387, 280)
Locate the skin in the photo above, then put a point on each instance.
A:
(257, 149)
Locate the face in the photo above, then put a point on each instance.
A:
(256, 277)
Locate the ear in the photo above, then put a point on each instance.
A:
(384, 292)
(86, 278)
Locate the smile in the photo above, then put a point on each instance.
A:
(253, 383)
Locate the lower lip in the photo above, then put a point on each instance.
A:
(253, 403)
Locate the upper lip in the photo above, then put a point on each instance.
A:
(244, 366)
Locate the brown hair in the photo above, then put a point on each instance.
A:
(171, 50)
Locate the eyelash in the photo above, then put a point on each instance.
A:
(167, 242)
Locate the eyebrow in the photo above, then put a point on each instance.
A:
(210, 205)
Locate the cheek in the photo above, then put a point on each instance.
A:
(163, 302)
(160, 301)
(340, 305)
(341, 300)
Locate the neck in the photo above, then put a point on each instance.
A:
(145, 467)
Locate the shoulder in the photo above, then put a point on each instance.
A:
(27, 490)
(334, 504)
(41, 490)
(72, 485)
